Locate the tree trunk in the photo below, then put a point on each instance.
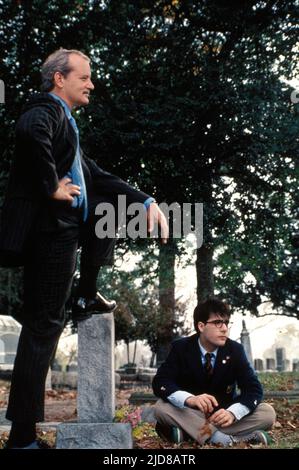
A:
(128, 352)
(134, 353)
(204, 272)
(166, 299)
(152, 361)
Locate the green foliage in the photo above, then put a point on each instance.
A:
(278, 381)
(138, 314)
(131, 414)
(189, 105)
(128, 414)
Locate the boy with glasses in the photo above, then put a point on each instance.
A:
(197, 386)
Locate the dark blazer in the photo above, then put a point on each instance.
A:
(44, 153)
(183, 370)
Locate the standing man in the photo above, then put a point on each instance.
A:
(48, 211)
(197, 386)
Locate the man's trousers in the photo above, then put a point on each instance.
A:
(48, 272)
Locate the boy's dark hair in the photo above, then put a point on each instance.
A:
(203, 310)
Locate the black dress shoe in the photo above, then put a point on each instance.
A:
(33, 445)
(84, 307)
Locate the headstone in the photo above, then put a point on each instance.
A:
(56, 366)
(146, 377)
(70, 380)
(147, 370)
(270, 364)
(280, 357)
(72, 367)
(117, 380)
(57, 378)
(258, 365)
(49, 380)
(295, 365)
(245, 341)
(131, 369)
(96, 392)
(286, 365)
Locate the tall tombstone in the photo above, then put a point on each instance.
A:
(286, 365)
(270, 364)
(49, 380)
(245, 341)
(96, 392)
(280, 357)
(258, 365)
(295, 367)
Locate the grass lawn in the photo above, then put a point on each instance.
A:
(276, 381)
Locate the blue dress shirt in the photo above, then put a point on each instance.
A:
(76, 171)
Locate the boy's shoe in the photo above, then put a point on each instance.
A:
(255, 437)
(170, 433)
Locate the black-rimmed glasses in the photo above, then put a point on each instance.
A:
(220, 323)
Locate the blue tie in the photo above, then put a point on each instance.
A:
(77, 176)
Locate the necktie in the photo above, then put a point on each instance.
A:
(208, 364)
(77, 175)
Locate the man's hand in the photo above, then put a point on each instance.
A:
(204, 402)
(66, 190)
(222, 418)
(155, 215)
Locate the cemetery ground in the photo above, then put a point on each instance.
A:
(61, 406)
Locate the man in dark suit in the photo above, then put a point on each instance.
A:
(197, 386)
(49, 210)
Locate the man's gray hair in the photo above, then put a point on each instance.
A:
(57, 62)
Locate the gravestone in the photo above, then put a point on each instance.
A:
(280, 357)
(270, 364)
(245, 341)
(286, 365)
(72, 367)
(56, 366)
(295, 365)
(258, 365)
(49, 380)
(96, 392)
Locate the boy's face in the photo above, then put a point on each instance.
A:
(214, 332)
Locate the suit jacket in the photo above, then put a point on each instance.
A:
(183, 370)
(44, 153)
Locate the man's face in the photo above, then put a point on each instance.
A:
(214, 332)
(75, 88)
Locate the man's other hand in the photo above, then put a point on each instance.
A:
(155, 215)
(205, 403)
(222, 418)
(66, 190)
